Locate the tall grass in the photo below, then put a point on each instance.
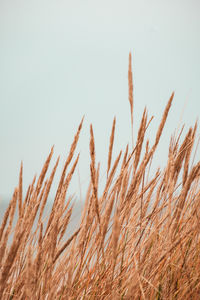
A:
(139, 238)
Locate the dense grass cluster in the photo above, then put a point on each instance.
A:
(138, 239)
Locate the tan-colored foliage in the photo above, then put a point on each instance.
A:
(138, 239)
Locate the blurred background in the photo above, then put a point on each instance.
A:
(60, 60)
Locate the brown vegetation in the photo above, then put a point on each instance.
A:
(138, 239)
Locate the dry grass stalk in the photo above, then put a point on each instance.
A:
(164, 118)
(66, 245)
(188, 153)
(111, 146)
(112, 173)
(47, 190)
(20, 191)
(93, 173)
(140, 138)
(130, 92)
(69, 158)
(8, 230)
(43, 172)
(5, 219)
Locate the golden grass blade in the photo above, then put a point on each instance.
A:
(65, 245)
(164, 118)
(47, 190)
(93, 173)
(69, 158)
(20, 191)
(140, 138)
(130, 97)
(112, 173)
(43, 172)
(111, 146)
(5, 219)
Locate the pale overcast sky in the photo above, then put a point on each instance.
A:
(61, 59)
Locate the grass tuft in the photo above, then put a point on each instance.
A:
(138, 239)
